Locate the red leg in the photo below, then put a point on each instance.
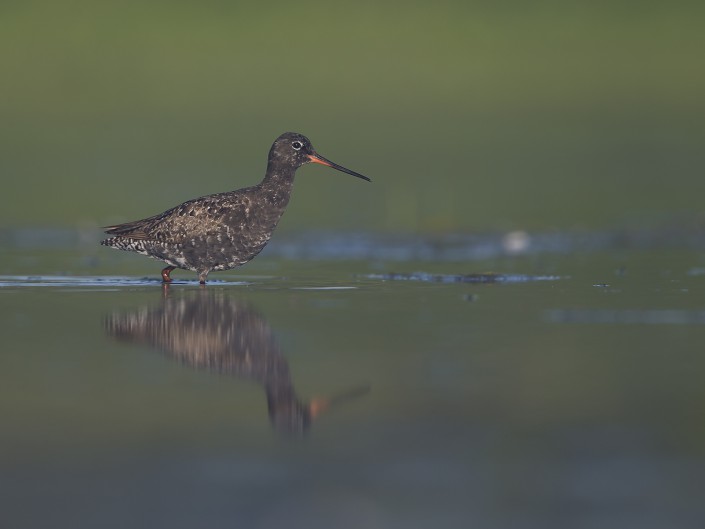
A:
(165, 274)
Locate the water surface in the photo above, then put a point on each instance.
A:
(377, 389)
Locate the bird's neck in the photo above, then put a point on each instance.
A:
(279, 172)
(278, 183)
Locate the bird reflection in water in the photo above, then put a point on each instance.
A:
(209, 330)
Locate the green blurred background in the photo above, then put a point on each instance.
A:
(468, 116)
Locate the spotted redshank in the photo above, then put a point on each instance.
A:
(225, 230)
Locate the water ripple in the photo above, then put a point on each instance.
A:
(462, 278)
(94, 281)
(626, 316)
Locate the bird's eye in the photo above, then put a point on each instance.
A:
(297, 145)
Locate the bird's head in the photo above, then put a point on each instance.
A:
(294, 150)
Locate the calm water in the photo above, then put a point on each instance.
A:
(376, 383)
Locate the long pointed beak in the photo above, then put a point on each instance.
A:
(319, 405)
(317, 158)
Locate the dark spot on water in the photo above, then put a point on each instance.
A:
(462, 278)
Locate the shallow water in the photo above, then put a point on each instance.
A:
(374, 387)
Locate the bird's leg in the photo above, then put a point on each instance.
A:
(202, 277)
(165, 274)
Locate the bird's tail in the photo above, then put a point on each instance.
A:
(124, 243)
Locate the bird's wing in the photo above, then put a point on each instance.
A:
(191, 217)
(134, 230)
(139, 229)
